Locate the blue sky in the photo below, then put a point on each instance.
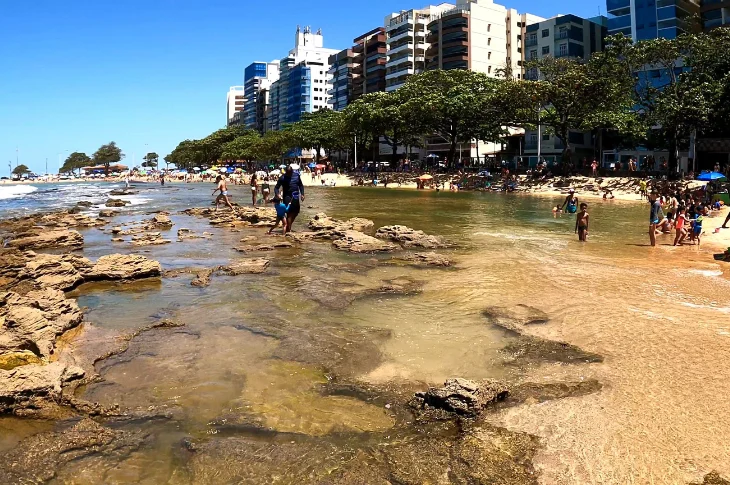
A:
(150, 73)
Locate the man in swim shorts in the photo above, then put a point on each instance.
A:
(291, 189)
(223, 188)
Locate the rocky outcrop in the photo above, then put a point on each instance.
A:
(713, 478)
(358, 242)
(54, 271)
(34, 321)
(116, 203)
(410, 237)
(108, 213)
(29, 386)
(185, 233)
(149, 239)
(123, 267)
(461, 396)
(118, 192)
(162, 220)
(59, 238)
(515, 318)
(322, 222)
(239, 216)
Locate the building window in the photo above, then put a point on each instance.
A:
(563, 49)
(545, 137)
(489, 55)
(489, 41)
(489, 27)
(546, 49)
(519, 24)
(489, 69)
(533, 55)
(546, 33)
(533, 138)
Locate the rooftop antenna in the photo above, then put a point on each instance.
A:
(319, 31)
(298, 29)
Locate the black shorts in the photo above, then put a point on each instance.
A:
(293, 208)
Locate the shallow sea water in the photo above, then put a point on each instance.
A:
(257, 351)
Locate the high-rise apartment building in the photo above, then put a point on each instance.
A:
(304, 80)
(235, 102)
(258, 78)
(478, 35)
(369, 60)
(341, 70)
(358, 70)
(406, 43)
(562, 36)
(651, 19)
(715, 13)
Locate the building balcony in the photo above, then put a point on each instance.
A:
(404, 35)
(561, 35)
(530, 42)
(401, 48)
(400, 73)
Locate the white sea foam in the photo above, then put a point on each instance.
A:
(13, 191)
(707, 272)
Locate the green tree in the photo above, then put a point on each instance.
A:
(449, 104)
(319, 130)
(245, 147)
(20, 170)
(572, 95)
(151, 160)
(75, 161)
(108, 154)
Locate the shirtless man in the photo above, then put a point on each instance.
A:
(223, 188)
(581, 223)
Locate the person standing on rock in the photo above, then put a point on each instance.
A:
(254, 188)
(291, 189)
(223, 188)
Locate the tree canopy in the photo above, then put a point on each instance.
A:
(151, 160)
(21, 170)
(75, 161)
(108, 154)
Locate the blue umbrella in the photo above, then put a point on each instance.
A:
(312, 165)
(710, 176)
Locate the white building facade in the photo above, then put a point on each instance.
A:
(235, 102)
(304, 80)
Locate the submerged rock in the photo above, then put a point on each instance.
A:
(264, 247)
(358, 242)
(515, 318)
(713, 478)
(410, 237)
(108, 213)
(425, 259)
(59, 238)
(462, 396)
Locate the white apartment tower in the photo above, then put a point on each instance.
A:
(235, 102)
(406, 43)
(478, 35)
(304, 79)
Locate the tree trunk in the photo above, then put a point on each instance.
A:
(452, 152)
(394, 155)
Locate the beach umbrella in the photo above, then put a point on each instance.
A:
(425, 177)
(433, 155)
(710, 176)
(312, 165)
(282, 166)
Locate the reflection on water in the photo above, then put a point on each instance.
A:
(257, 350)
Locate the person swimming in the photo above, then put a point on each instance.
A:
(571, 203)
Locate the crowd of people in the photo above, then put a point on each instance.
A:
(681, 212)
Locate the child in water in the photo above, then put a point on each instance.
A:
(581, 223)
(281, 211)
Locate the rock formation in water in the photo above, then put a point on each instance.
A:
(116, 203)
(59, 238)
(424, 259)
(322, 222)
(358, 242)
(108, 213)
(410, 237)
(238, 217)
(34, 313)
(462, 396)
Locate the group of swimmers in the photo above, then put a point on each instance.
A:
(684, 216)
(288, 194)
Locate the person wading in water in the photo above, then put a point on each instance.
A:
(291, 190)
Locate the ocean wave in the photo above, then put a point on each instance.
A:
(13, 191)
